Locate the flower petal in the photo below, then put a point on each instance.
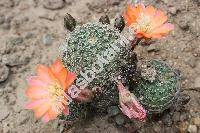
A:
(150, 11)
(62, 77)
(39, 112)
(159, 19)
(57, 67)
(35, 81)
(162, 30)
(36, 92)
(45, 74)
(69, 79)
(46, 118)
(132, 13)
(35, 104)
(52, 114)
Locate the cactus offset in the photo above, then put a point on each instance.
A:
(158, 87)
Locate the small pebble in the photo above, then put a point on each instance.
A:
(197, 82)
(184, 116)
(192, 129)
(53, 4)
(4, 72)
(119, 119)
(173, 10)
(28, 35)
(4, 112)
(176, 116)
(196, 121)
(167, 120)
(113, 111)
(6, 26)
(153, 48)
(2, 19)
(47, 39)
(16, 40)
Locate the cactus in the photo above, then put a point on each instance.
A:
(100, 44)
(158, 88)
(77, 111)
(95, 52)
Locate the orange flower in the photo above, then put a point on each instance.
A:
(47, 91)
(147, 22)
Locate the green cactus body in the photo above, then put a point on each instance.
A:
(90, 45)
(158, 93)
(77, 111)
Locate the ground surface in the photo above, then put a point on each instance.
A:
(32, 30)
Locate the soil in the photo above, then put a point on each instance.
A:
(31, 32)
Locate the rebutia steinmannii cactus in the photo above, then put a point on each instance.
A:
(101, 62)
(157, 87)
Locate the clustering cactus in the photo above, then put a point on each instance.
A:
(102, 65)
(97, 46)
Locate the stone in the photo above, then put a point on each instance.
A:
(153, 48)
(197, 82)
(47, 39)
(183, 127)
(23, 117)
(168, 130)
(4, 112)
(113, 111)
(184, 116)
(157, 128)
(2, 19)
(167, 120)
(196, 121)
(4, 73)
(172, 10)
(191, 61)
(176, 116)
(120, 120)
(194, 26)
(17, 108)
(1, 92)
(192, 129)
(114, 2)
(11, 99)
(6, 26)
(16, 40)
(53, 4)
(9, 89)
(183, 24)
(5, 48)
(15, 59)
(6, 128)
(29, 35)
(9, 3)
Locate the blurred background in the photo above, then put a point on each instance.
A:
(32, 30)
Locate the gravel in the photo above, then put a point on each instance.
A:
(197, 82)
(113, 111)
(4, 73)
(4, 112)
(192, 129)
(53, 4)
(47, 39)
